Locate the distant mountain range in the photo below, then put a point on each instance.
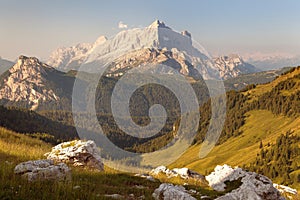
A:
(32, 84)
(67, 58)
(154, 44)
(243, 80)
(273, 62)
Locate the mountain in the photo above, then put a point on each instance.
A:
(35, 125)
(261, 131)
(132, 48)
(5, 65)
(272, 62)
(243, 80)
(32, 84)
(70, 58)
(232, 66)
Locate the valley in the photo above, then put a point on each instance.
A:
(260, 132)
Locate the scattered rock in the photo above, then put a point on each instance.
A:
(140, 187)
(141, 197)
(76, 187)
(184, 173)
(285, 189)
(8, 163)
(77, 153)
(131, 195)
(146, 176)
(114, 196)
(43, 170)
(253, 186)
(205, 197)
(168, 191)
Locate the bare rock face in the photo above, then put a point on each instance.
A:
(168, 191)
(43, 170)
(232, 66)
(253, 186)
(26, 82)
(77, 153)
(67, 58)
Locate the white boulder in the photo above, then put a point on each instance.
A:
(253, 186)
(171, 192)
(221, 174)
(43, 170)
(184, 173)
(146, 176)
(77, 153)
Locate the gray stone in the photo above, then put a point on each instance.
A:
(43, 170)
(77, 153)
(170, 192)
(253, 186)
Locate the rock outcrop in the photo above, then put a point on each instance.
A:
(43, 170)
(168, 191)
(77, 153)
(253, 186)
(184, 173)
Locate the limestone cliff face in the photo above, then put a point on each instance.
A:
(232, 66)
(26, 81)
(158, 40)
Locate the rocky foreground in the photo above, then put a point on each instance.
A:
(248, 185)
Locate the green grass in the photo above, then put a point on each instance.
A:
(261, 125)
(16, 148)
(259, 90)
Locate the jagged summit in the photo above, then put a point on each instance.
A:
(66, 58)
(100, 40)
(157, 36)
(27, 66)
(232, 66)
(158, 24)
(30, 82)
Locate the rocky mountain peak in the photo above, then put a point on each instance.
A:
(186, 33)
(100, 40)
(158, 24)
(26, 82)
(66, 58)
(233, 65)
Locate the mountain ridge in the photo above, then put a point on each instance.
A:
(156, 36)
(32, 83)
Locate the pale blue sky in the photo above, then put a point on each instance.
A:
(36, 27)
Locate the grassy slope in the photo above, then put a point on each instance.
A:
(16, 148)
(264, 88)
(261, 125)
